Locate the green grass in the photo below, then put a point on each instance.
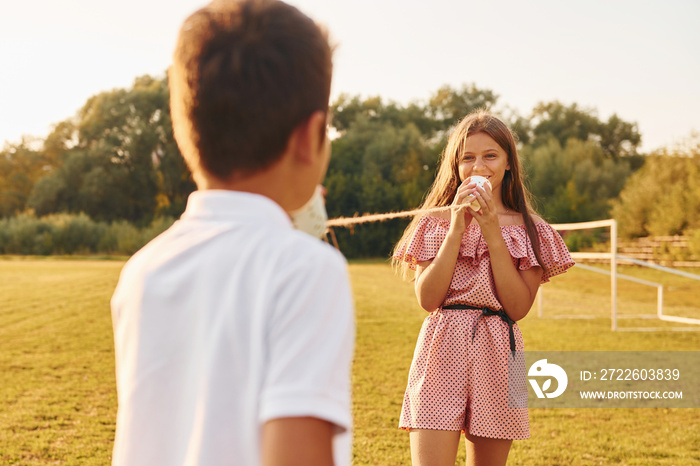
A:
(58, 400)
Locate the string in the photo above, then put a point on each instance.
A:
(366, 218)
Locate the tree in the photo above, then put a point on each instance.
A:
(119, 157)
(442, 111)
(574, 183)
(117, 160)
(386, 155)
(346, 110)
(380, 163)
(662, 198)
(448, 105)
(616, 137)
(20, 167)
(60, 191)
(619, 138)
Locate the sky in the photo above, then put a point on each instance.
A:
(638, 59)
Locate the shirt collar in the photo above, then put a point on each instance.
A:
(213, 204)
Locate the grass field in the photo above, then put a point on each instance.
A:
(58, 401)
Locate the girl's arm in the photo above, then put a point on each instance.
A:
(433, 277)
(516, 289)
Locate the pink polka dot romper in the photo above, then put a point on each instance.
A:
(459, 374)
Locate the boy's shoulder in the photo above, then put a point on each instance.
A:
(264, 250)
(308, 249)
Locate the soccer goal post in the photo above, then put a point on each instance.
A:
(610, 255)
(614, 258)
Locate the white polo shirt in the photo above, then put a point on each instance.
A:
(227, 320)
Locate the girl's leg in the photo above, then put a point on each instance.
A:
(434, 447)
(483, 451)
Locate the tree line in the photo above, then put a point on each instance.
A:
(116, 161)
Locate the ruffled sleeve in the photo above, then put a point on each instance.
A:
(553, 251)
(431, 232)
(429, 235)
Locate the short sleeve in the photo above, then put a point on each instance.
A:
(425, 242)
(553, 251)
(310, 338)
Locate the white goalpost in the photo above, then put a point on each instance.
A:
(614, 259)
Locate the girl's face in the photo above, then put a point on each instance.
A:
(484, 157)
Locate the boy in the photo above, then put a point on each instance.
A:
(233, 331)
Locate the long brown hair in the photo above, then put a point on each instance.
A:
(514, 194)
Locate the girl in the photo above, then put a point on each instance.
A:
(476, 272)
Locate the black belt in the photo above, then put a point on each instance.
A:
(485, 311)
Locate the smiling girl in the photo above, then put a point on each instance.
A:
(476, 272)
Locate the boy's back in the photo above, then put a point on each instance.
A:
(227, 320)
(234, 332)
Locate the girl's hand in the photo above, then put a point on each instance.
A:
(487, 216)
(460, 215)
